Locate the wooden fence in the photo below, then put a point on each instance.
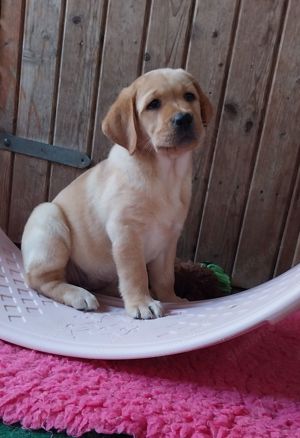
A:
(62, 63)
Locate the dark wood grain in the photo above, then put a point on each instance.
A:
(276, 165)
(79, 60)
(11, 21)
(235, 150)
(38, 68)
(288, 248)
(167, 31)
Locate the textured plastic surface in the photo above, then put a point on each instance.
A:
(34, 321)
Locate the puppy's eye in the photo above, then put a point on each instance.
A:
(189, 97)
(154, 104)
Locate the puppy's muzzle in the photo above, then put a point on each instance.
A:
(184, 133)
(182, 121)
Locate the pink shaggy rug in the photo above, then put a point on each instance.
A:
(247, 387)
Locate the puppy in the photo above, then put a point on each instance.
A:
(119, 222)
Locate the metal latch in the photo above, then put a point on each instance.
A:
(44, 151)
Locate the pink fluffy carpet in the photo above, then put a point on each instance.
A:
(247, 387)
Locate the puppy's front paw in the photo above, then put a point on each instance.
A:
(147, 310)
(80, 299)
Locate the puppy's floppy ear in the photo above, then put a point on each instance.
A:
(206, 107)
(120, 123)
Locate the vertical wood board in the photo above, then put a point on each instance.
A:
(275, 169)
(167, 32)
(79, 60)
(11, 20)
(35, 107)
(120, 61)
(208, 54)
(291, 232)
(296, 259)
(235, 150)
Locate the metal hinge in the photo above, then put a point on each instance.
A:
(44, 151)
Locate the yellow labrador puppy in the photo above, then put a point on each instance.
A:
(120, 221)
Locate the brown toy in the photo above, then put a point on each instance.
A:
(194, 281)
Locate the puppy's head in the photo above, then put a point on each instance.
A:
(164, 110)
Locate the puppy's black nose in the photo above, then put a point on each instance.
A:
(182, 120)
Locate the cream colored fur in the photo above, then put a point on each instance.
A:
(119, 222)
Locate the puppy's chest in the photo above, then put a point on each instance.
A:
(163, 224)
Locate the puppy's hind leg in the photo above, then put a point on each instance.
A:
(46, 244)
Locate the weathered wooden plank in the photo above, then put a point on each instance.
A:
(296, 259)
(79, 62)
(208, 53)
(11, 20)
(235, 150)
(291, 232)
(120, 61)
(39, 58)
(5, 183)
(167, 33)
(275, 168)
